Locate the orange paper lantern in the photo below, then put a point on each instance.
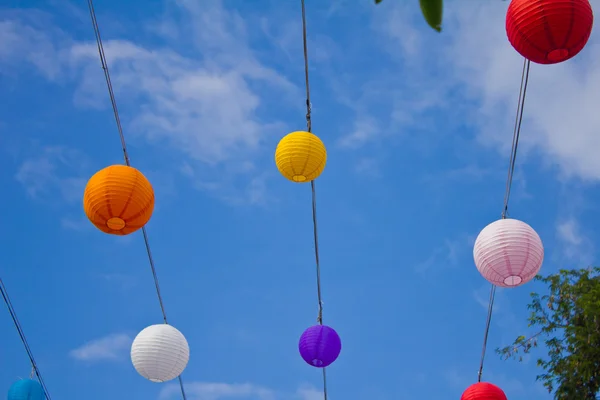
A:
(118, 200)
(549, 31)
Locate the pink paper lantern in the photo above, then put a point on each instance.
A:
(508, 253)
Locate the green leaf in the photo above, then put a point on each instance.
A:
(433, 11)
(378, 1)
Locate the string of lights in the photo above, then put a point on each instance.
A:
(13, 314)
(127, 161)
(509, 179)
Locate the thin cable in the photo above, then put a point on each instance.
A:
(488, 321)
(312, 183)
(126, 156)
(312, 186)
(17, 324)
(509, 179)
(316, 238)
(516, 133)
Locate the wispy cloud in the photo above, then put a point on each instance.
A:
(211, 108)
(503, 315)
(123, 281)
(446, 255)
(576, 247)
(76, 224)
(511, 386)
(109, 348)
(238, 391)
(54, 171)
(469, 78)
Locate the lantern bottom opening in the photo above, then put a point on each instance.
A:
(558, 55)
(155, 380)
(317, 363)
(513, 280)
(115, 223)
(299, 178)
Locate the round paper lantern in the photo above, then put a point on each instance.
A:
(508, 253)
(301, 156)
(26, 389)
(549, 31)
(483, 391)
(118, 200)
(160, 353)
(320, 346)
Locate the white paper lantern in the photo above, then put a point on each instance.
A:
(160, 353)
(508, 253)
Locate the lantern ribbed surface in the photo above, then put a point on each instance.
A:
(483, 391)
(508, 253)
(549, 31)
(118, 200)
(320, 346)
(160, 353)
(26, 389)
(301, 156)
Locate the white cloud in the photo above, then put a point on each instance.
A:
(445, 255)
(503, 315)
(575, 246)
(559, 119)
(111, 347)
(53, 172)
(203, 95)
(236, 391)
(27, 39)
(76, 224)
(510, 386)
(468, 77)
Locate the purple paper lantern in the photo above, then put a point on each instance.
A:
(320, 346)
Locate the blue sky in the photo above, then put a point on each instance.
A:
(418, 128)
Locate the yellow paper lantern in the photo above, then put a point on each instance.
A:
(301, 156)
(118, 200)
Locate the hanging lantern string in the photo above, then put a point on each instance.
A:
(516, 134)
(312, 186)
(13, 314)
(127, 161)
(509, 179)
(312, 182)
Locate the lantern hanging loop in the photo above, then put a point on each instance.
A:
(509, 179)
(115, 109)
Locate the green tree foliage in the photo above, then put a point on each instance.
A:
(432, 10)
(568, 320)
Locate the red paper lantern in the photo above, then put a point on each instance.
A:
(483, 391)
(549, 31)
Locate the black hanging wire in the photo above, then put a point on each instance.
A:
(312, 186)
(127, 161)
(509, 179)
(13, 314)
